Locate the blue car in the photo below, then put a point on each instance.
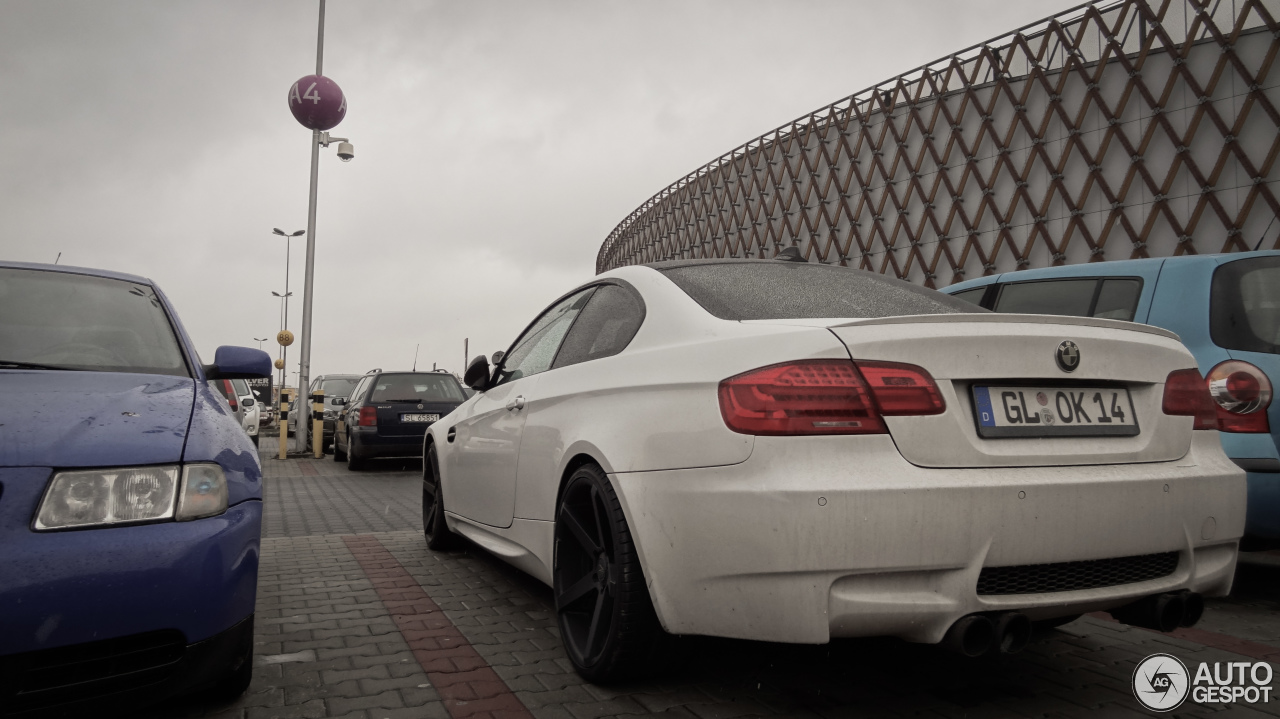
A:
(1226, 309)
(130, 499)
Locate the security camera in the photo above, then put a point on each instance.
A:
(346, 151)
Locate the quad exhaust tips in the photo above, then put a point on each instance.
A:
(976, 634)
(1162, 612)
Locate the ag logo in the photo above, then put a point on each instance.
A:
(1068, 356)
(1161, 682)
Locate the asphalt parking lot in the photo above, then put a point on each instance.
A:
(357, 618)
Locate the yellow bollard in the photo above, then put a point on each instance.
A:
(317, 423)
(283, 424)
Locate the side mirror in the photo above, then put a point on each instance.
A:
(238, 363)
(247, 401)
(497, 357)
(477, 375)
(338, 402)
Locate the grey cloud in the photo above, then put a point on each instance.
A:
(497, 143)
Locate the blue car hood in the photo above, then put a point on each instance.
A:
(92, 419)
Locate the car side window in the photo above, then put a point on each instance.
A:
(537, 347)
(611, 318)
(1048, 297)
(1118, 299)
(357, 394)
(974, 295)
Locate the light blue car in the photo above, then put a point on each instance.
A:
(1226, 309)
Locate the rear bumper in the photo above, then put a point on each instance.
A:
(815, 537)
(1255, 453)
(1264, 507)
(371, 444)
(118, 676)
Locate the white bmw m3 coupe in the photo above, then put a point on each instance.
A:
(792, 452)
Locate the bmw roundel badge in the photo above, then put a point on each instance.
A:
(1068, 356)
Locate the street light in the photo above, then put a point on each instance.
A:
(318, 104)
(284, 311)
(259, 340)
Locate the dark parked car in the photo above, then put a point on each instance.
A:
(132, 499)
(335, 387)
(388, 413)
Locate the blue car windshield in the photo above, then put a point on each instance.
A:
(63, 321)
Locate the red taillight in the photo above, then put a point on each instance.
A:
(902, 389)
(1185, 393)
(1241, 393)
(826, 397)
(368, 417)
(231, 394)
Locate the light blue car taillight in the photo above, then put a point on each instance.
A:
(127, 495)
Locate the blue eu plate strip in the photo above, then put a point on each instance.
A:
(986, 417)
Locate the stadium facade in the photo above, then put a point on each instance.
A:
(1113, 130)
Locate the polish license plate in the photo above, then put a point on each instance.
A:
(1054, 411)
(419, 417)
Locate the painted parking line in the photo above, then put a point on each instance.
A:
(464, 680)
(1213, 640)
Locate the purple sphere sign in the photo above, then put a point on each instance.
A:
(317, 102)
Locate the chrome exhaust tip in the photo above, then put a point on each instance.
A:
(1013, 632)
(1193, 609)
(971, 636)
(1162, 612)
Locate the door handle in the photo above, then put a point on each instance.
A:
(516, 404)
(453, 432)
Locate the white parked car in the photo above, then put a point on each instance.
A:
(241, 400)
(793, 452)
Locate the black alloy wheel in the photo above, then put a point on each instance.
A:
(354, 461)
(434, 528)
(606, 617)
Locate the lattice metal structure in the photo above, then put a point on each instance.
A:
(1114, 130)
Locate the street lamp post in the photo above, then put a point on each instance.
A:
(319, 105)
(260, 340)
(284, 315)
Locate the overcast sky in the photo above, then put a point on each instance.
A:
(497, 144)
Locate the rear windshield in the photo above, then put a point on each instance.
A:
(420, 387)
(338, 386)
(790, 290)
(1244, 305)
(59, 320)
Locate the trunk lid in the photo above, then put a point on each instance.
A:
(964, 351)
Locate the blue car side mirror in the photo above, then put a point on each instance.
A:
(238, 363)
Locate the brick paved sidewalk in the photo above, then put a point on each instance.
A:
(369, 623)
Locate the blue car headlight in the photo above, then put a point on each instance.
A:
(126, 495)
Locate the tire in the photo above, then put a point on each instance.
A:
(338, 455)
(607, 621)
(354, 461)
(434, 528)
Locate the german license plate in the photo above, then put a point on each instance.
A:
(419, 417)
(1054, 411)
